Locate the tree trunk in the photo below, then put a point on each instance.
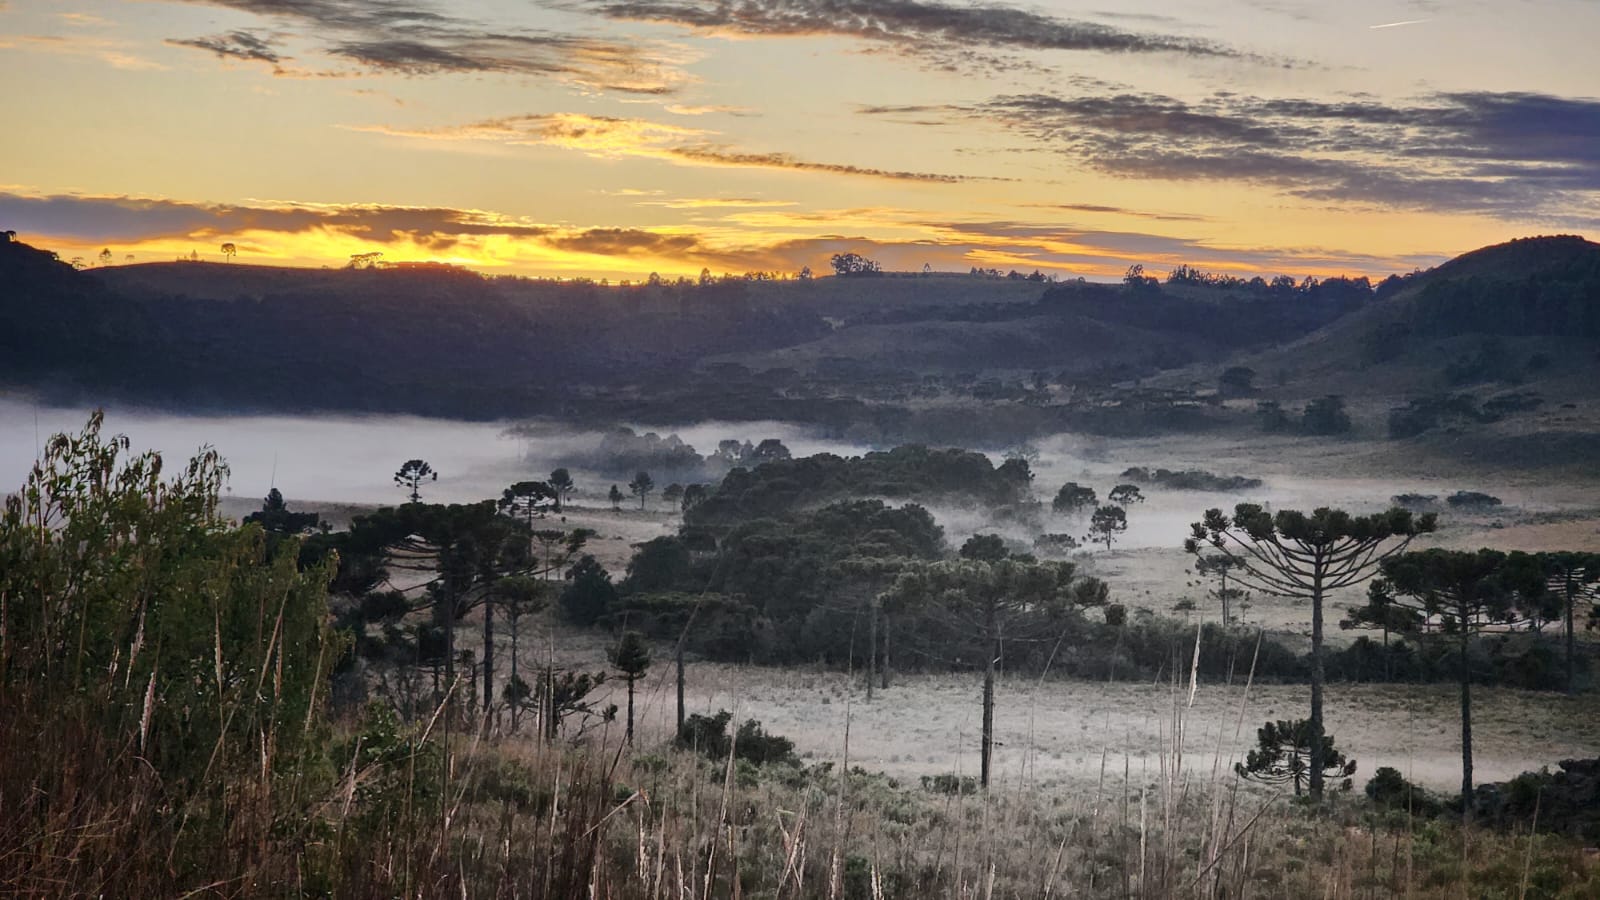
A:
(1226, 619)
(1316, 679)
(1571, 599)
(872, 650)
(991, 651)
(884, 672)
(488, 655)
(1466, 727)
(680, 686)
(516, 708)
(630, 711)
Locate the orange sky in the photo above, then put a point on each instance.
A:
(613, 138)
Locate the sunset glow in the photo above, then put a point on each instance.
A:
(612, 138)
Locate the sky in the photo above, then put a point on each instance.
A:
(615, 138)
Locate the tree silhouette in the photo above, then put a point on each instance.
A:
(1284, 755)
(693, 496)
(847, 265)
(1571, 579)
(1073, 498)
(641, 486)
(519, 596)
(632, 658)
(615, 497)
(1124, 494)
(527, 500)
(1464, 593)
(672, 495)
(1106, 524)
(105, 256)
(561, 482)
(274, 517)
(229, 251)
(1302, 556)
(410, 476)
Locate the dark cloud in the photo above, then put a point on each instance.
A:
(1120, 211)
(132, 219)
(413, 38)
(1505, 154)
(937, 34)
(235, 45)
(626, 242)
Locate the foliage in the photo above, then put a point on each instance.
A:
(1190, 480)
(589, 594)
(410, 476)
(909, 472)
(1073, 498)
(1284, 755)
(751, 743)
(1106, 524)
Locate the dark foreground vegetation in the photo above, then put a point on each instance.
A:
(190, 707)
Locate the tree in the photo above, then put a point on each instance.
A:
(527, 500)
(1292, 554)
(1465, 593)
(1106, 524)
(632, 658)
(1220, 565)
(105, 256)
(229, 251)
(846, 265)
(984, 548)
(1124, 494)
(410, 476)
(673, 495)
(769, 450)
(561, 482)
(275, 518)
(1284, 755)
(615, 496)
(805, 273)
(985, 602)
(589, 593)
(693, 496)
(1325, 416)
(519, 596)
(1571, 579)
(641, 486)
(1073, 498)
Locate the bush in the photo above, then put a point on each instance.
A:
(1388, 789)
(1472, 500)
(753, 744)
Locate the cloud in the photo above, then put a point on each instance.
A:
(1501, 154)
(242, 45)
(717, 203)
(613, 137)
(937, 34)
(406, 37)
(312, 233)
(683, 109)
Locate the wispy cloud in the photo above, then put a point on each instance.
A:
(610, 137)
(940, 35)
(410, 37)
(241, 45)
(1506, 154)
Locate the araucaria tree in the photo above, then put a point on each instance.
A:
(1292, 554)
(1572, 579)
(984, 601)
(615, 496)
(411, 475)
(561, 482)
(1107, 524)
(1460, 594)
(631, 658)
(1283, 756)
(641, 486)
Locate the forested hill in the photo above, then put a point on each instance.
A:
(440, 340)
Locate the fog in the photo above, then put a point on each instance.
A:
(351, 460)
